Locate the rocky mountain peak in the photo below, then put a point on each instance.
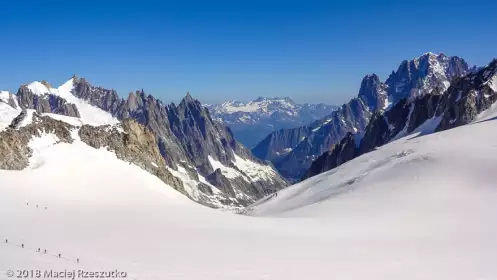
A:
(372, 92)
(46, 84)
(421, 75)
(76, 80)
(490, 70)
(192, 106)
(188, 98)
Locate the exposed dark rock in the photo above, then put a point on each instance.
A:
(373, 92)
(17, 120)
(221, 182)
(14, 149)
(340, 153)
(467, 97)
(108, 100)
(134, 143)
(47, 103)
(12, 101)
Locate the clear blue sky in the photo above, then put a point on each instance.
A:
(312, 51)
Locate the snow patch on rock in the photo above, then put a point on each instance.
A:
(89, 114)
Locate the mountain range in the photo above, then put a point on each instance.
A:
(254, 120)
(91, 182)
(461, 103)
(292, 151)
(180, 144)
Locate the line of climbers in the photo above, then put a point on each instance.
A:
(39, 250)
(27, 204)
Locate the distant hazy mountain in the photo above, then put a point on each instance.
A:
(254, 120)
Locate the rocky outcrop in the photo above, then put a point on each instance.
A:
(217, 179)
(134, 143)
(11, 101)
(14, 149)
(280, 142)
(384, 126)
(108, 100)
(468, 96)
(340, 153)
(47, 103)
(17, 120)
(129, 140)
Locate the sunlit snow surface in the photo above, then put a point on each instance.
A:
(7, 113)
(418, 208)
(253, 171)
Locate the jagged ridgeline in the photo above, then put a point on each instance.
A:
(180, 144)
(438, 110)
(293, 150)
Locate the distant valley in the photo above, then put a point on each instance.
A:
(252, 121)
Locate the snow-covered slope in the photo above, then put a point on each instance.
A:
(7, 112)
(412, 164)
(417, 208)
